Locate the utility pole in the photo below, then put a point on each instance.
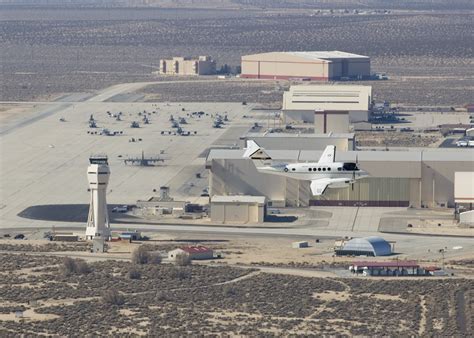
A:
(442, 252)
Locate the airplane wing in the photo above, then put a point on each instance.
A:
(319, 186)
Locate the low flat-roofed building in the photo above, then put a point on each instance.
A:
(388, 268)
(193, 252)
(397, 178)
(288, 141)
(237, 209)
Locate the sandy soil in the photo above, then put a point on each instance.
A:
(29, 315)
(10, 112)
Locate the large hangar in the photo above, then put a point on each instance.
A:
(323, 66)
(330, 107)
(343, 142)
(397, 178)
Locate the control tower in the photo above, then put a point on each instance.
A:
(98, 220)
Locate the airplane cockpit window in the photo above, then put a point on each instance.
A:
(350, 166)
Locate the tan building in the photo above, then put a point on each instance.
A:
(203, 65)
(332, 108)
(323, 66)
(237, 209)
(464, 187)
(397, 178)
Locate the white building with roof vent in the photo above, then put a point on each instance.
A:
(330, 107)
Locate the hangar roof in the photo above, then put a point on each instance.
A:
(377, 245)
(300, 135)
(238, 199)
(316, 55)
(455, 155)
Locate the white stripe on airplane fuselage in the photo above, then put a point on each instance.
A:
(318, 170)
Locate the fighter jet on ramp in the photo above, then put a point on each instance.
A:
(326, 173)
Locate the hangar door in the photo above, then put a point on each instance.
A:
(236, 213)
(370, 192)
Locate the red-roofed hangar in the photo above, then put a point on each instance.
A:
(322, 66)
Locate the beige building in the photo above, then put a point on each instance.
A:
(332, 108)
(237, 209)
(397, 178)
(203, 65)
(323, 66)
(464, 187)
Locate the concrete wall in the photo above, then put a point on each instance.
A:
(237, 212)
(464, 187)
(438, 182)
(307, 116)
(327, 122)
(303, 142)
(240, 177)
(282, 66)
(467, 217)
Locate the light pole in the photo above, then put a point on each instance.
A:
(442, 252)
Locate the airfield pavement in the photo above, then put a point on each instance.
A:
(44, 162)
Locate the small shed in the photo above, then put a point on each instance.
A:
(238, 209)
(130, 235)
(298, 245)
(193, 252)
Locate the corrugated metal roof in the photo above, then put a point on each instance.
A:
(375, 244)
(458, 155)
(389, 264)
(238, 199)
(195, 249)
(296, 135)
(453, 155)
(335, 54)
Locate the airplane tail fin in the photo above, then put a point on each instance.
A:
(329, 155)
(255, 152)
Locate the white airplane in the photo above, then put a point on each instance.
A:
(326, 173)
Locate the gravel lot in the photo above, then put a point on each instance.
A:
(167, 299)
(50, 51)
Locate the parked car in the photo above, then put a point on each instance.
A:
(20, 236)
(122, 208)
